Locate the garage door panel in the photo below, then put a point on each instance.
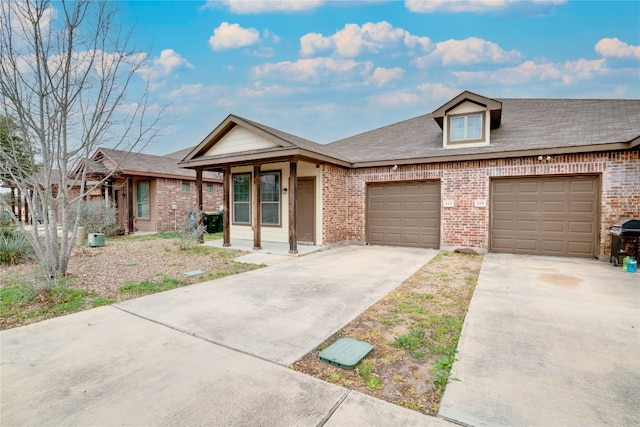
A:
(553, 226)
(563, 221)
(411, 212)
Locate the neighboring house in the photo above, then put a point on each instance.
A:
(151, 192)
(528, 176)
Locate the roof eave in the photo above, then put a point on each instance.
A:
(217, 163)
(617, 146)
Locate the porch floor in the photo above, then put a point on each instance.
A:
(274, 248)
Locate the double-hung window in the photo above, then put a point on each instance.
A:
(270, 198)
(142, 199)
(242, 198)
(466, 128)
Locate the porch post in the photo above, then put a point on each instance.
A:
(19, 205)
(14, 211)
(130, 206)
(293, 189)
(199, 204)
(226, 201)
(256, 205)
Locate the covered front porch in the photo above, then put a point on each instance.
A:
(272, 183)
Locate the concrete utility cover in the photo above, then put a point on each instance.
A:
(345, 353)
(194, 272)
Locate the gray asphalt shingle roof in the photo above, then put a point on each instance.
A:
(142, 164)
(526, 124)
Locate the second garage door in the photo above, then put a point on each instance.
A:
(545, 216)
(404, 214)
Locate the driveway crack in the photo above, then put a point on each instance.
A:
(335, 407)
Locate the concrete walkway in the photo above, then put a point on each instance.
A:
(548, 342)
(208, 354)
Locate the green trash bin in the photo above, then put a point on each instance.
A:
(219, 222)
(211, 222)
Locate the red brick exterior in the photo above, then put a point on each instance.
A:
(169, 191)
(335, 211)
(467, 181)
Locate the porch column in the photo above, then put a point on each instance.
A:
(256, 205)
(226, 201)
(199, 203)
(293, 189)
(130, 206)
(14, 211)
(19, 205)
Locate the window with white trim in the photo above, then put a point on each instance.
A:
(466, 128)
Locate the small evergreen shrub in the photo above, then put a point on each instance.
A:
(96, 217)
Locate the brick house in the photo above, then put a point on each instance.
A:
(530, 176)
(151, 193)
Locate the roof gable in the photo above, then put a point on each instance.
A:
(239, 139)
(492, 105)
(237, 135)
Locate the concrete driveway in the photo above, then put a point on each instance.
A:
(548, 342)
(208, 354)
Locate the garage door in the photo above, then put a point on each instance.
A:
(545, 216)
(404, 214)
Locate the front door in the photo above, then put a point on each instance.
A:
(306, 210)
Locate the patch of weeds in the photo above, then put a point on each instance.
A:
(197, 250)
(99, 302)
(151, 287)
(441, 370)
(371, 380)
(411, 341)
(411, 307)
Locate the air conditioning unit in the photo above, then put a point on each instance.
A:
(95, 239)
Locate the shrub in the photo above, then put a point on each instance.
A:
(191, 230)
(14, 247)
(96, 217)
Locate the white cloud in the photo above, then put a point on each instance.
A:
(259, 90)
(381, 76)
(475, 6)
(422, 94)
(615, 48)
(262, 6)
(315, 70)
(164, 65)
(232, 36)
(469, 51)
(354, 40)
(529, 71)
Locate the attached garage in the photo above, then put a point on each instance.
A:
(404, 214)
(555, 216)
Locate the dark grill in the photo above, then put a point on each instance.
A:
(624, 233)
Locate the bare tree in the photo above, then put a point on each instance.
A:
(67, 82)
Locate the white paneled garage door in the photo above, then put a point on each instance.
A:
(545, 215)
(404, 214)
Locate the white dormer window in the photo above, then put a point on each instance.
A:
(467, 120)
(466, 128)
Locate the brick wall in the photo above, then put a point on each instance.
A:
(169, 191)
(335, 210)
(467, 181)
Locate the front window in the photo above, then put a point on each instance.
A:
(242, 198)
(185, 187)
(142, 198)
(466, 128)
(270, 198)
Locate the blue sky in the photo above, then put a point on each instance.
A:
(325, 70)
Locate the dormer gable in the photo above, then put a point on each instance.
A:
(467, 120)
